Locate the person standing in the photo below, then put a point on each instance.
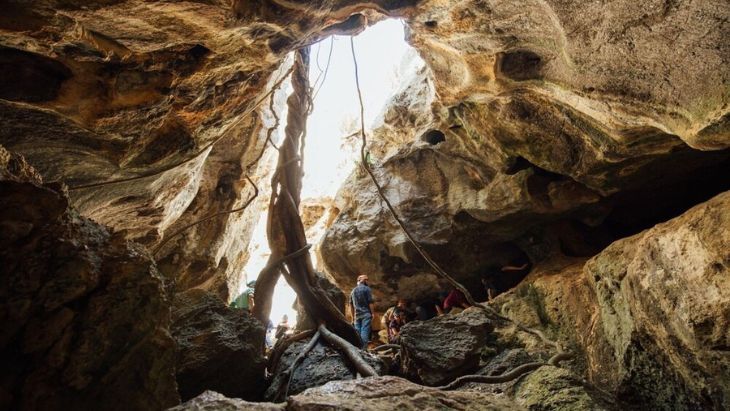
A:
(361, 299)
(245, 300)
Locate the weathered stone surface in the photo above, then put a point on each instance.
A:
(321, 365)
(369, 394)
(85, 317)
(218, 348)
(646, 317)
(539, 125)
(109, 91)
(98, 91)
(213, 401)
(664, 299)
(553, 388)
(381, 393)
(436, 351)
(13, 167)
(537, 128)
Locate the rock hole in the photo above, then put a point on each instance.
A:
(433, 137)
(517, 164)
(520, 65)
(198, 51)
(432, 24)
(30, 77)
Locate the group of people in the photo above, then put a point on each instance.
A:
(361, 302)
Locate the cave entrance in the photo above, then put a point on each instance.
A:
(331, 150)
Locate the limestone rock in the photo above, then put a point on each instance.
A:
(14, 167)
(526, 123)
(553, 388)
(436, 351)
(85, 316)
(664, 298)
(369, 394)
(381, 393)
(218, 348)
(213, 401)
(646, 317)
(321, 365)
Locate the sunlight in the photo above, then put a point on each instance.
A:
(329, 157)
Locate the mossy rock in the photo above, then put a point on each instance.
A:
(554, 388)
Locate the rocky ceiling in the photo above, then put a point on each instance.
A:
(549, 110)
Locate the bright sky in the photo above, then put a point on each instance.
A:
(328, 158)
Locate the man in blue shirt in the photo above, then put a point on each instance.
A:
(361, 299)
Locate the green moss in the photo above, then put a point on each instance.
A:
(553, 388)
(530, 294)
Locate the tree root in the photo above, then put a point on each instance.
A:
(285, 230)
(282, 345)
(290, 371)
(386, 347)
(513, 374)
(349, 351)
(266, 281)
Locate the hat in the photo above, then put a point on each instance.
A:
(361, 278)
(251, 283)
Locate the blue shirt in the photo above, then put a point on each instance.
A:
(361, 298)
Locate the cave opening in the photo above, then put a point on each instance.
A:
(674, 185)
(331, 149)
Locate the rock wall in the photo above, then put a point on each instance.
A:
(664, 298)
(85, 316)
(527, 133)
(544, 108)
(539, 130)
(647, 315)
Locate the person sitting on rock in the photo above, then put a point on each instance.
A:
(361, 299)
(398, 311)
(397, 320)
(245, 300)
(455, 302)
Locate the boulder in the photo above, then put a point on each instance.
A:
(84, 313)
(321, 365)
(647, 318)
(436, 351)
(213, 401)
(664, 304)
(218, 348)
(368, 394)
(393, 393)
(553, 388)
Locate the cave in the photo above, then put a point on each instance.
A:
(176, 177)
